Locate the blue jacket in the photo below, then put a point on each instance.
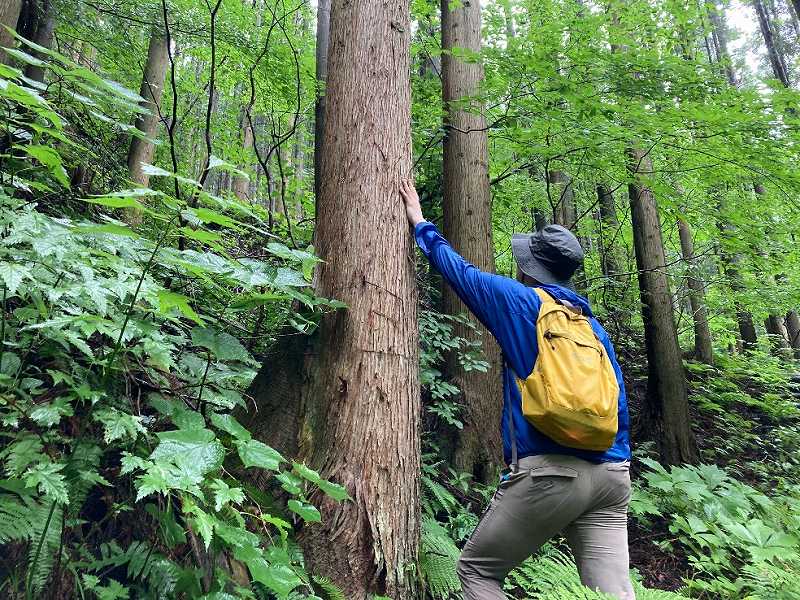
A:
(509, 310)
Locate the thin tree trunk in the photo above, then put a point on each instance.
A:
(9, 15)
(775, 59)
(703, 346)
(564, 212)
(667, 406)
(466, 207)
(609, 262)
(720, 36)
(359, 415)
(45, 28)
(323, 40)
(299, 167)
(241, 184)
(152, 89)
(744, 319)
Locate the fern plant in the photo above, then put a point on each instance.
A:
(437, 561)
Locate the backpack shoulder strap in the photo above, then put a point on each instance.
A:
(544, 296)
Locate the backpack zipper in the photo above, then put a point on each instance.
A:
(550, 334)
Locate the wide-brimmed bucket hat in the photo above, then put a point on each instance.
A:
(550, 255)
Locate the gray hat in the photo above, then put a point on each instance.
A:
(551, 255)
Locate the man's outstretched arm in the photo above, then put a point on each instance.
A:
(489, 297)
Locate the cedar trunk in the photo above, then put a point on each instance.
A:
(793, 331)
(9, 15)
(43, 36)
(351, 406)
(667, 406)
(778, 336)
(703, 347)
(468, 226)
(151, 90)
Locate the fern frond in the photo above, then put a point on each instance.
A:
(765, 581)
(17, 519)
(326, 587)
(552, 575)
(44, 544)
(437, 561)
(435, 497)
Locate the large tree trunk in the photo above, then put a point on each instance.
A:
(359, 413)
(9, 15)
(323, 41)
(793, 331)
(775, 58)
(778, 336)
(45, 27)
(152, 88)
(667, 406)
(703, 347)
(468, 226)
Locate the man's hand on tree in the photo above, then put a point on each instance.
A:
(411, 200)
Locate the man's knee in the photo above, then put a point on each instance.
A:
(466, 572)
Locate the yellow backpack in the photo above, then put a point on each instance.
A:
(572, 394)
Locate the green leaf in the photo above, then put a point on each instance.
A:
(48, 479)
(50, 159)
(257, 454)
(308, 512)
(13, 275)
(281, 579)
(23, 452)
(168, 300)
(223, 494)
(118, 425)
(108, 229)
(48, 415)
(9, 363)
(195, 451)
(227, 423)
(117, 202)
(223, 345)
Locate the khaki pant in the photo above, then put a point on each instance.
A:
(550, 494)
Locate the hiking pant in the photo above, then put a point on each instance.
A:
(549, 494)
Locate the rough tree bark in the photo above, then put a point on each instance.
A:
(793, 331)
(151, 90)
(667, 410)
(358, 416)
(703, 346)
(9, 15)
(323, 41)
(466, 207)
(43, 36)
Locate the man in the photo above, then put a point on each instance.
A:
(550, 488)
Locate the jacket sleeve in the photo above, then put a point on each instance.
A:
(495, 300)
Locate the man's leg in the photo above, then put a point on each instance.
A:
(526, 511)
(599, 537)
